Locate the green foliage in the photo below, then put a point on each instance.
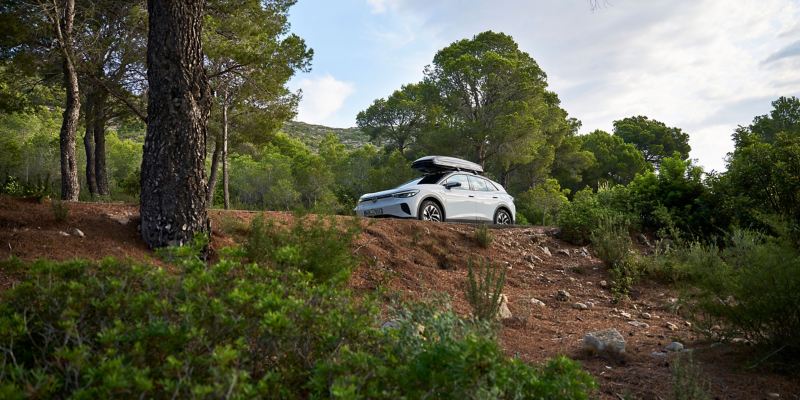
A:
(432, 353)
(542, 203)
(319, 246)
(616, 162)
(611, 241)
(587, 210)
(398, 120)
(653, 138)
(60, 210)
(483, 289)
(750, 288)
(687, 379)
(483, 236)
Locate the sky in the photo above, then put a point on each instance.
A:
(705, 66)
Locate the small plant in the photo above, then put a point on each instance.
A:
(232, 225)
(484, 286)
(687, 379)
(483, 236)
(624, 275)
(60, 210)
(611, 241)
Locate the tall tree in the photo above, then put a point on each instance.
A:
(173, 196)
(616, 162)
(250, 59)
(653, 138)
(398, 120)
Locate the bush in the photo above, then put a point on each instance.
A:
(484, 287)
(542, 203)
(583, 215)
(611, 241)
(687, 379)
(483, 236)
(60, 210)
(315, 245)
(751, 288)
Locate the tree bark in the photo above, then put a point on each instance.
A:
(213, 175)
(88, 145)
(62, 21)
(174, 192)
(225, 192)
(100, 118)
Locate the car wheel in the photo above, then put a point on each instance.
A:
(430, 211)
(502, 217)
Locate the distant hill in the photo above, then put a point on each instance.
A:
(312, 135)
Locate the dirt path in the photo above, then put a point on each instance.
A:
(422, 260)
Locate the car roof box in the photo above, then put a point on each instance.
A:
(432, 164)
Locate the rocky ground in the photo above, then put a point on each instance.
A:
(555, 293)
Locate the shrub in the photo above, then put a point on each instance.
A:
(583, 215)
(316, 245)
(687, 379)
(611, 241)
(484, 287)
(750, 288)
(60, 210)
(542, 203)
(483, 236)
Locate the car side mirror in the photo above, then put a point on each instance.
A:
(451, 185)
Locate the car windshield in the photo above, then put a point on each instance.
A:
(432, 178)
(409, 183)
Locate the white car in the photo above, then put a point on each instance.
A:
(451, 190)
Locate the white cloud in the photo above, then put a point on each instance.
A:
(381, 6)
(323, 96)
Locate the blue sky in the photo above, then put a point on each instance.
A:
(705, 66)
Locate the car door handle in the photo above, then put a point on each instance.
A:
(494, 197)
(471, 196)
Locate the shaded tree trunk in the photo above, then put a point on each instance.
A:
(88, 145)
(174, 192)
(100, 105)
(62, 20)
(213, 175)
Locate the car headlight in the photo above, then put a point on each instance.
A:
(405, 194)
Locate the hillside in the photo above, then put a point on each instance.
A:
(417, 260)
(312, 135)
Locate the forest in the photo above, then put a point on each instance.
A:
(76, 113)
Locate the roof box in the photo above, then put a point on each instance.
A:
(432, 164)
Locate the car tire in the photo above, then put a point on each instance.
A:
(502, 217)
(431, 211)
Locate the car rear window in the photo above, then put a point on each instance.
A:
(480, 184)
(431, 179)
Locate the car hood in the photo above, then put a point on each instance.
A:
(387, 193)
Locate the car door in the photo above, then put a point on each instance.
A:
(459, 200)
(484, 199)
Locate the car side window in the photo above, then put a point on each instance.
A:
(478, 184)
(462, 179)
(490, 186)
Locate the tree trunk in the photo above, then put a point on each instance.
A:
(213, 175)
(174, 191)
(225, 192)
(100, 119)
(88, 145)
(62, 22)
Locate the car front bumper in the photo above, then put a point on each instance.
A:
(389, 207)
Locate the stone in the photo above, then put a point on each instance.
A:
(580, 306)
(546, 251)
(563, 252)
(562, 295)
(625, 315)
(77, 232)
(646, 315)
(62, 233)
(674, 346)
(608, 341)
(590, 304)
(639, 324)
(773, 395)
(658, 354)
(603, 284)
(672, 326)
(585, 252)
(503, 312)
(643, 240)
(537, 302)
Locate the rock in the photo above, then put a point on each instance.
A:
(606, 341)
(62, 233)
(580, 306)
(77, 232)
(639, 324)
(537, 302)
(658, 354)
(603, 284)
(585, 252)
(672, 326)
(120, 219)
(503, 312)
(563, 295)
(420, 329)
(674, 346)
(563, 252)
(646, 315)
(546, 251)
(773, 395)
(590, 304)
(625, 315)
(643, 240)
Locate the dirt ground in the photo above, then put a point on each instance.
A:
(420, 260)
